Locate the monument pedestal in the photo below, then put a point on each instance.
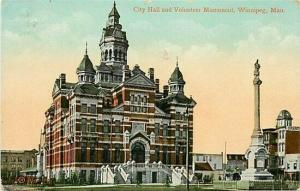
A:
(253, 174)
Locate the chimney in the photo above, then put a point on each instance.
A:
(157, 85)
(151, 74)
(166, 90)
(126, 73)
(62, 80)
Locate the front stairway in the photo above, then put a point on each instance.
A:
(138, 173)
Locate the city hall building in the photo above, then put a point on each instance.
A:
(115, 124)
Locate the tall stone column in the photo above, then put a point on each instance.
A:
(256, 154)
(256, 82)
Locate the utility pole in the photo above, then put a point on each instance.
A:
(187, 148)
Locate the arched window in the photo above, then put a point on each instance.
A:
(120, 55)
(105, 56)
(116, 54)
(105, 154)
(118, 153)
(110, 52)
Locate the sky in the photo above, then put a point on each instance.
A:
(216, 51)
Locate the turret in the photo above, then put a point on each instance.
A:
(284, 119)
(85, 70)
(176, 82)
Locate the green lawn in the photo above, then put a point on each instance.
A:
(120, 188)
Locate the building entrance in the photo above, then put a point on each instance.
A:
(138, 152)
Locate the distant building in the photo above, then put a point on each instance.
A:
(283, 145)
(270, 141)
(15, 161)
(236, 163)
(208, 164)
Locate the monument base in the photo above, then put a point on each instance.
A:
(253, 174)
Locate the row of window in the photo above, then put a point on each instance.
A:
(116, 54)
(179, 116)
(90, 125)
(118, 157)
(13, 159)
(85, 78)
(138, 99)
(108, 77)
(85, 126)
(157, 129)
(138, 109)
(288, 166)
(88, 109)
(204, 158)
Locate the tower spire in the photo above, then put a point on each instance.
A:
(85, 48)
(177, 61)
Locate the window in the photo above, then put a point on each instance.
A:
(93, 125)
(145, 109)
(165, 130)
(157, 155)
(177, 152)
(117, 126)
(184, 133)
(177, 132)
(83, 108)
(83, 125)
(106, 126)
(177, 116)
(92, 152)
(165, 155)
(288, 166)
(184, 155)
(105, 154)
(131, 98)
(82, 175)
(156, 130)
(83, 152)
(295, 166)
(92, 177)
(118, 153)
(93, 108)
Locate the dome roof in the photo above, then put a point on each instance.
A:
(176, 76)
(86, 65)
(284, 114)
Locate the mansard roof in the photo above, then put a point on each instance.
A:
(114, 32)
(89, 89)
(65, 86)
(174, 98)
(115, 69)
